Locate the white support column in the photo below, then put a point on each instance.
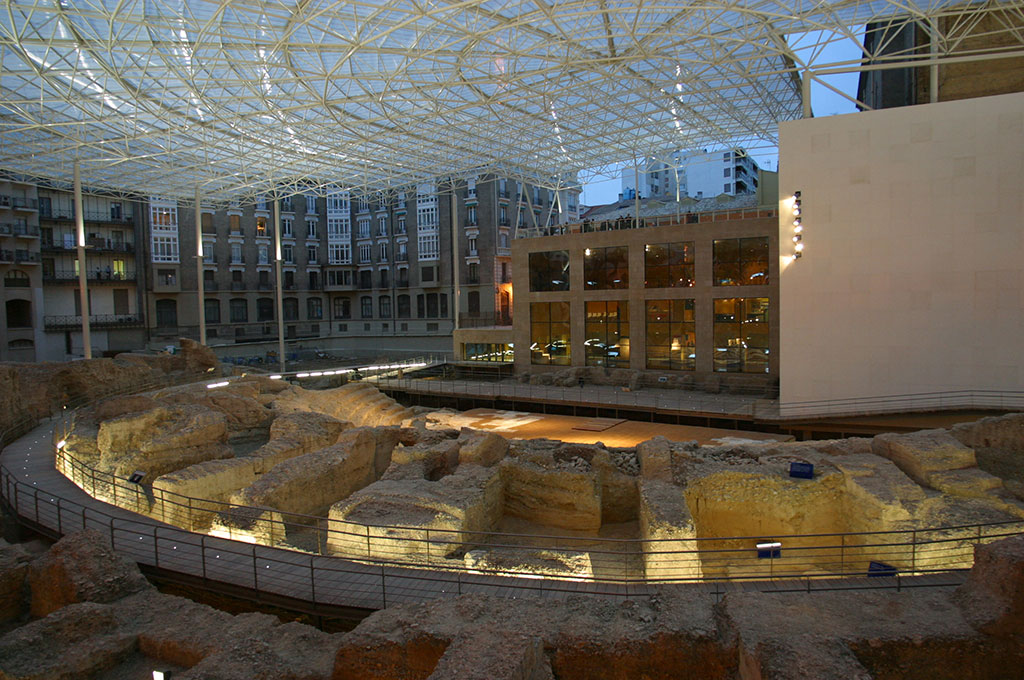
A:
(636, 194)
(280, 284)
(675, 169)
(805, 92)
(933, 71)
(456, 270)
(199, 269)
(83, 276)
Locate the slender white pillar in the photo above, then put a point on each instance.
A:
(199, 269)
(280, 283)
(83, 276)
(805, 92)
(933, 72)
(636, 194)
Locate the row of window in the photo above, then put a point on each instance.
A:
(428, 306)
(736, 262)
(740, 334)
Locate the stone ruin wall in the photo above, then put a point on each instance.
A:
(100, 618)
(261, 459)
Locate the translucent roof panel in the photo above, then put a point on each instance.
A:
(239, 98)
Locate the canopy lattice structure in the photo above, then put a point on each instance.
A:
(159, 97)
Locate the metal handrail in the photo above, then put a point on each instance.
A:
(455, 577)
(920, 401)
(162, 504)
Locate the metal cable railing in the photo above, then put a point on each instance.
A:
(307, 557)
(896, 403)
(682, 558)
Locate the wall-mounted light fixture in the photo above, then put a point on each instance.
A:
(798, 226)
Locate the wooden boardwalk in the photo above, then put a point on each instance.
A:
(46, 500)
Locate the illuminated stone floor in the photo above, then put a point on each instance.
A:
(581, 430)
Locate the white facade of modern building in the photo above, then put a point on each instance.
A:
(698, 174)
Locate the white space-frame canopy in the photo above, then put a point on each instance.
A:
(237, 98)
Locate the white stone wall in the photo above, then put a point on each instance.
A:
(912, 279)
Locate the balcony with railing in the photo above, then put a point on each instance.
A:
(20, 229)
(19, 203)
(26, 257)
(94, 216)
(69, 276)
(68, 243)
(96, 321)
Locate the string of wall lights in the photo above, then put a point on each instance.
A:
(798, 227)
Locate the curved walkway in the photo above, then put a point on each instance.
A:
(41, 496)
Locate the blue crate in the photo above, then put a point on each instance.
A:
(876, 569)
(801, 470)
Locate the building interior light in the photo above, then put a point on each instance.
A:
(799, 247)
(796, 239)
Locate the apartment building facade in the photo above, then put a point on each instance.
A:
(22, 310)
(377, 271)
(695, 174)
(113, 238)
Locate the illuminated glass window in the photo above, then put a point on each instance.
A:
(668, 265)
(607, 334)
(606, 268)
(741, 261)
(741, 335)
(549, 333)
(671, 335)
(549, 271)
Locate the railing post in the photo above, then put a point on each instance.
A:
(383, 588)
(255, 572)
(913, 551)
(312, 582)
(190, 513)
(83, 518)
(842, 554)
(36, 494)
(202, 553)
(156, 548)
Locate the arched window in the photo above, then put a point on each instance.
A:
(290, 307)
(16, 279)
(166, 313)
(264, 309)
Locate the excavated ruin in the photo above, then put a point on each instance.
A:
(350, 472)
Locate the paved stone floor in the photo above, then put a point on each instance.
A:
(609, 431)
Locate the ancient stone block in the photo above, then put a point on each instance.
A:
(920, 454)
(655, 459)
(81, 567)
(79, 641)
(161, 440)
(494, 652)
(555, 496)
(1003, 432)
(668, 532)
(481, 448)
(993, 597)
(14, 562)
